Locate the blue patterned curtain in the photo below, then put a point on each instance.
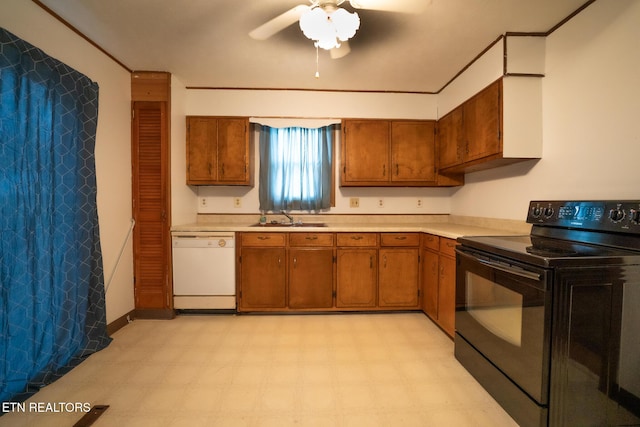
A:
(295, 168)
(52, 308)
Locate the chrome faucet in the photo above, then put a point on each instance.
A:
(288, 216)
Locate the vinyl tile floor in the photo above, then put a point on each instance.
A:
(361, 370)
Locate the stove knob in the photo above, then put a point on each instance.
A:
(548, 212)
(616, 215)
(635, 216)
(536, 212)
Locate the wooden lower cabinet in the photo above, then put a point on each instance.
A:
(279, 271)
(263, 278)
(398, 285)
(430, 280)
(357, 278)
(439, 281)
(447, 294)
(398, 280)
(310, 278)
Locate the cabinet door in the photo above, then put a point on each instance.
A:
(413, 151)
(365, 151)
(398, 285)
(483, 122)
(357, 278)
(447, 294)
(450, 139)
(430, 278)
(201, 137)
(310, 278)
(151, 207)
(263, 275)
(232, 151)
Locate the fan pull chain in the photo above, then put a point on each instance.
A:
(317, 61)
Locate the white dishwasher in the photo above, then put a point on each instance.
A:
(204, 270)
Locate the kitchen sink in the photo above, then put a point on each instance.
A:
(288, 224)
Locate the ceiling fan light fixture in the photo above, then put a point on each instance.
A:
(328, 25)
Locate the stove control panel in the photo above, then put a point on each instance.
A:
(607, 215)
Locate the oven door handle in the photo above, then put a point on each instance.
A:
(511, 270)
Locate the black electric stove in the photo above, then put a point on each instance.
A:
(548, 322)
(572, 233)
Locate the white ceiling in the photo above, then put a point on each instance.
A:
(205, 43)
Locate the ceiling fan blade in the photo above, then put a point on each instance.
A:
(278, 23)
(403, 6)
(339, 52)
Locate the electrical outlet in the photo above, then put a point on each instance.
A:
(419, 203)
(381, 203)
(237, 202)
(354, 202)
(203, 201)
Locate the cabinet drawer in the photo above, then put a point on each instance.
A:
(264, 239)
(431, 241)
(311, 239)
(399, 239)
(358, 239)
(448, 247)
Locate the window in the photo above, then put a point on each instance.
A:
(296, 168)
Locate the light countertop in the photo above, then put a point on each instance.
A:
(442, 225)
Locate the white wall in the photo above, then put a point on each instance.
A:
(591, 126)
(310, 104)
(183, 197)
(113, 142)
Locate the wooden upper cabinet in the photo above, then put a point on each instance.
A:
(200, 149)
(451, 139)
(483, 123)
(232, 160)
(500, 125)
(381, 153)
(473, 130)
(218, 151)
(365, 152)
(412, 151)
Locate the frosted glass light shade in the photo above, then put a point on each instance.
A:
(329, 28)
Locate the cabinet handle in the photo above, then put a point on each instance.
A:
(451, 244)
(397, 170)
(384, 170)
(222, 171)
(295, 262)
(401, 237)
(371, 262)
(385, 261)
(209, 169)
(356, 237)
(311, 238)
(263, 237)
(279, 261)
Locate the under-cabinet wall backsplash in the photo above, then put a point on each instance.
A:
(238, 200)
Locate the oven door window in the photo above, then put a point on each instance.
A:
(498, 309)
(504, 311)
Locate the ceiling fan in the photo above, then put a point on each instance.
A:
(328, 25)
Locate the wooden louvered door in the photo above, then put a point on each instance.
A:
(151, 207)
